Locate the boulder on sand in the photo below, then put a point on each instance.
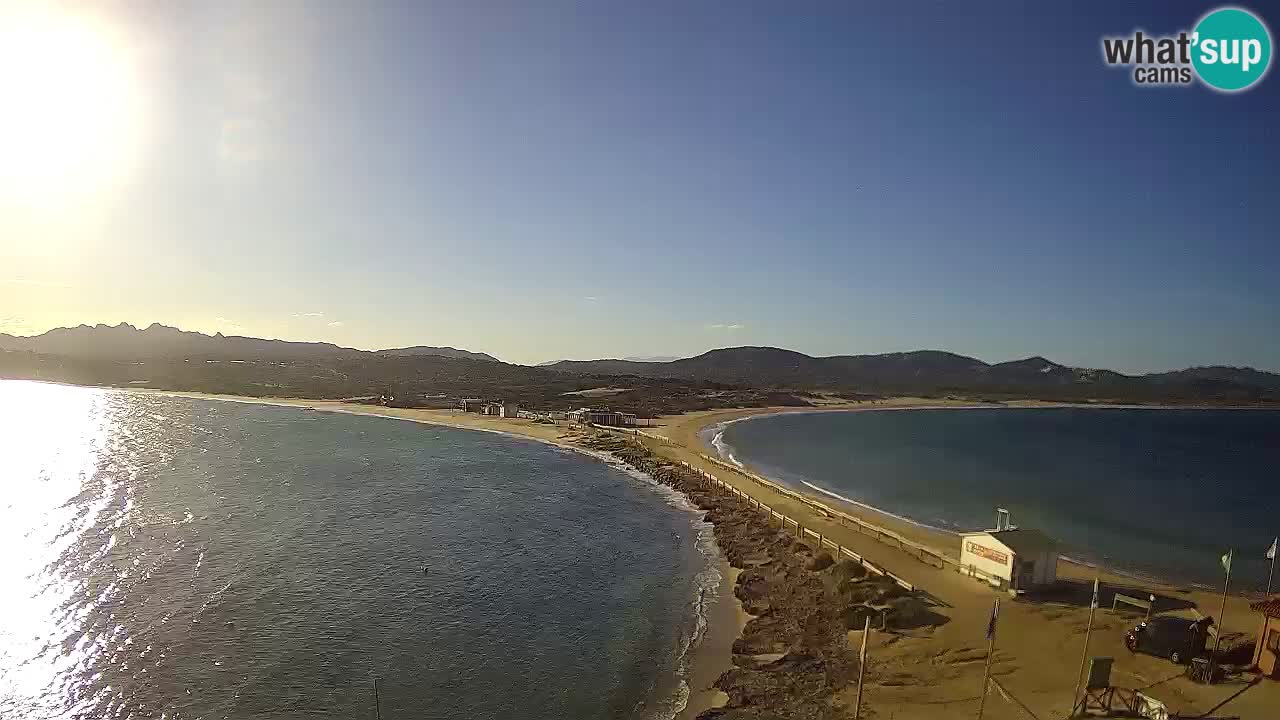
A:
(821, 561)
(855, 616)
(848, 570)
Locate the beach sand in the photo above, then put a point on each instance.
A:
(937, 673)
(931, 672)
(725, 620)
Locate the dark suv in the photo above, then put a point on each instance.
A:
(1175, 638)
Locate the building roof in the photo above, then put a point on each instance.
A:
(1270, 608)
(1025, 541)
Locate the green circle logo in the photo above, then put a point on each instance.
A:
(1232, 49)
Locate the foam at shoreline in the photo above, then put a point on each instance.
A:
(706, 581)
(713, 437)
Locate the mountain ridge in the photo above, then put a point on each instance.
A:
(762, 368)
(124, 340)
(931, 370)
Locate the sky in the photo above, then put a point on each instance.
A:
(607, 179)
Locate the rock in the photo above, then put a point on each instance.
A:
(908, 613)
(794, 654)
(855, 617)
(821, 561)
(849, 570)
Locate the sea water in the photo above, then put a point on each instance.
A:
(179, 558)
(1152, 491)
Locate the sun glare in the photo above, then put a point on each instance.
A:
(68, 106)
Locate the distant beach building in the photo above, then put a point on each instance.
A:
(602, 416)
(1009, 557)
(471, 404)
(502, 409)
(1266, 656)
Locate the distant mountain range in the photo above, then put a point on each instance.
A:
(440, 351)
(758, 369)
(124, 341)
(652, 358)
(641, 358)
(934, 371)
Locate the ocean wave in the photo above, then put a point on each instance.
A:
(879, 511)
(706, 582)
(722, 446)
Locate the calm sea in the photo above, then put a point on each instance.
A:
(1158, 492)
(176, 558)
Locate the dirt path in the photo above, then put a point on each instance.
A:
(937, 672)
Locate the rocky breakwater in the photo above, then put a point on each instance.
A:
(796, 655)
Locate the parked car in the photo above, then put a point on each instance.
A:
(1175, 638)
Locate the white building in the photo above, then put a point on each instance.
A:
(599, 416)
(1013, 559)
(502, 409)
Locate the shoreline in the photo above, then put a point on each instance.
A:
(703, 662)
(894, 519)
(1054, 621)
(693, 424)
(913, 674)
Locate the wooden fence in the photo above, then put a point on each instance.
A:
(923, 553)
(802, 532)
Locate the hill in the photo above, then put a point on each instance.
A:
(165, 357)
(933, 372)
(124, 341)
(417, 350)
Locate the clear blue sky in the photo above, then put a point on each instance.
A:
(542, 180)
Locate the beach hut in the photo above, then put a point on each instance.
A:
(602, 416)
(1010, 558)
(1266, 656)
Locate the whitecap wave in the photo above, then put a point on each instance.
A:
(723, 448)
(706, 583)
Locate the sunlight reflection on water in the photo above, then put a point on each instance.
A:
(53, 494)
(165, 557)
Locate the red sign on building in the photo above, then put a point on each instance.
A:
(986, 552)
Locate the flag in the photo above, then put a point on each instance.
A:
(1271, 551)
(1226, 560)
(991, 624)
(1094, 602)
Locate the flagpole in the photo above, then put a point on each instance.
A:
(991, 649)
(862, 668)
(1222, 612)
(1084, 656)
(1272, 574)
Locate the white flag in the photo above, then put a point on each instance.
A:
(1271, 551)
(1226, 560)
(1094, 603)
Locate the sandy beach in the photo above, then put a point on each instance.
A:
(933, 671)
(1040, 642)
